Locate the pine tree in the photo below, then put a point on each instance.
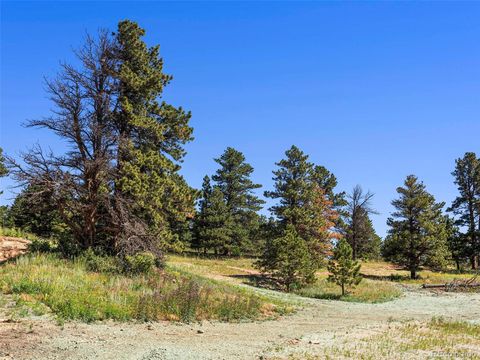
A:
(233, 179)
(303, 203)
(118, 186)
(359, 232)
(287, 259)
(151, 139)
(417, 235)
(344, 271)
(3, 168)
(306, 215)
(467, 205)
(213, 224)
(457, 244)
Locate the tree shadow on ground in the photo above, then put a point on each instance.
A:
(258, 280)
(391, 277)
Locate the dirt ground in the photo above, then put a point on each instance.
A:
(319, 324)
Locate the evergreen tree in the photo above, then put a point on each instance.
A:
(151, 139)
(213, 224)
(457, 244)
(303, 203)
(359, 230)
(344, 270)
(118, 186)
(287, 259)
(327, 182)
(306, 216)
(233, 179)
(467, 205)
(417, 228)
(3, 168)
(35, 212)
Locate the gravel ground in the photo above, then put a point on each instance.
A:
(320, 323)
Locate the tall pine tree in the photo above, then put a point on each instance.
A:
(417, 235)
(233, 178)
(151, 139)
(213, 222)
(304, 206)
(467, 205)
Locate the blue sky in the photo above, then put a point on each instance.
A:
(374, 91)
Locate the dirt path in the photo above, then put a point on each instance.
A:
(321, 323)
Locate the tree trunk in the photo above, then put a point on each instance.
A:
(413, 273)
(474, 262)
(343, 289)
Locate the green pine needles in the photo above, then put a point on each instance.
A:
(344, 271)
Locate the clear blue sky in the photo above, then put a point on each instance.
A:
(372, 91)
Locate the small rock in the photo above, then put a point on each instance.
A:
(150, 327)
(200, 331)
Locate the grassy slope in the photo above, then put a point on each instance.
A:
(71, 292)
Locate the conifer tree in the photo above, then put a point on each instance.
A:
(305, 211)
(3, 168)
(359, 230)
(233, 179)
(151, 138)
(467, 205)
(303, 203)
(344, 270)
(417, 235)
(288, 260)
(118, 186)
(213, 223)
(457, 244)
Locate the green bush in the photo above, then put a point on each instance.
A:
(101, 264)
(43, 245)
(140, 263)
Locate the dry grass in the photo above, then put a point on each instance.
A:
(436, 339)
(387, 271)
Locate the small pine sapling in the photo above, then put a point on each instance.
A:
(344, 271)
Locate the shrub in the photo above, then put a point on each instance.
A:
(140, 263)
(43, 245)
(103, 264)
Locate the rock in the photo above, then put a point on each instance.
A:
(150, 327)
(200, 331)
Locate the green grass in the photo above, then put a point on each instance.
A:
(387, 271)
(73, 293)
(436, 339)
(368, 291)
(238, 270)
